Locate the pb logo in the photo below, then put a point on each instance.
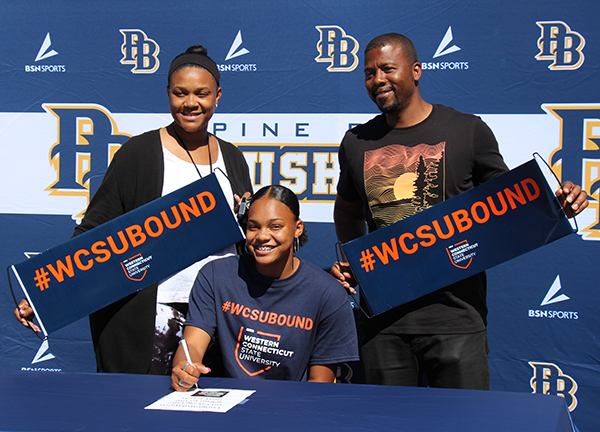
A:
(139, 51)
(559, 44)
(87, 139)
(337, 48)
(578, 155)
(549, 379)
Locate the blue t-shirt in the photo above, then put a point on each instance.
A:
(273, 328)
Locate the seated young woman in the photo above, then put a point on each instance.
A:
(273, 315)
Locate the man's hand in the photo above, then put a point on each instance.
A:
(572, 198)
(341, 271)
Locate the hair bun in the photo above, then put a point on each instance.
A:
(197, 49)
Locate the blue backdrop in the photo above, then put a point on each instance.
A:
(78, 78)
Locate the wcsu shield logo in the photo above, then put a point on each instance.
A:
(136, 267)
(462, 253)
(256, 352)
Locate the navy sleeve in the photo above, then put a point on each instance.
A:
(336, 339)
(201, 313)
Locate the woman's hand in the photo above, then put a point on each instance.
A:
(238, 200)
(186, 375)
(25, 315)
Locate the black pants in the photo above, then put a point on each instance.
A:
(448, 361)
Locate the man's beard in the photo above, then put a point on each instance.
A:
(392, 106)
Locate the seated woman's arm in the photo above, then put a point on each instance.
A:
(322, 373)
(184, 374)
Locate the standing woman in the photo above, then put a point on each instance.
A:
(138, 334)
(276, 316)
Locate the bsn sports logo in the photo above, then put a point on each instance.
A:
(561, 45)
(578, 157)
(45, 52)
(549, 379)
(237, 50)
(140, 51)
(87, 140)
(443, 49)
(337, 48)
(553, 297)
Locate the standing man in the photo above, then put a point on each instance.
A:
(440, 338)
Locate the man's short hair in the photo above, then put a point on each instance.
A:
(395, 39)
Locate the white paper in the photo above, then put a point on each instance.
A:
(213, 400)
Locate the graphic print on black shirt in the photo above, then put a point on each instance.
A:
(401, 181)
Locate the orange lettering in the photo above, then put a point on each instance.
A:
(236, 308)
(403, 246)
(186, 208)
(136, 235)
(279, 321)
(287, 323)
(168, 223)
(421, 234)
(438, 229)
(512, 196)
(272, 318)
(503, 205)
(113, 246)
(97, 251)
(383, 256)
(462, 220)
(159, 226)
(486, 212)
(78, 262)
(536, 190)
(211, 201)
(62, 267)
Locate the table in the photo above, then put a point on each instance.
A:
(47, 401)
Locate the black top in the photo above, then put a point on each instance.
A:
(397, 172)
(123, 332)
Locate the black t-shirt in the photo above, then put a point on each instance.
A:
(397, 172)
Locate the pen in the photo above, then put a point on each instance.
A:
(186, 351)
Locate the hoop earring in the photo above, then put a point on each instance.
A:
(296, 244)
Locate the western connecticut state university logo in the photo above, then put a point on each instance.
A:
(337, 48)
(140, 51)
(560, 45)
(549, 379)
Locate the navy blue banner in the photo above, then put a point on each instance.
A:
(508, 216)
(120, 257)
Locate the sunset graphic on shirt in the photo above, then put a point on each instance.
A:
(401, 181)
